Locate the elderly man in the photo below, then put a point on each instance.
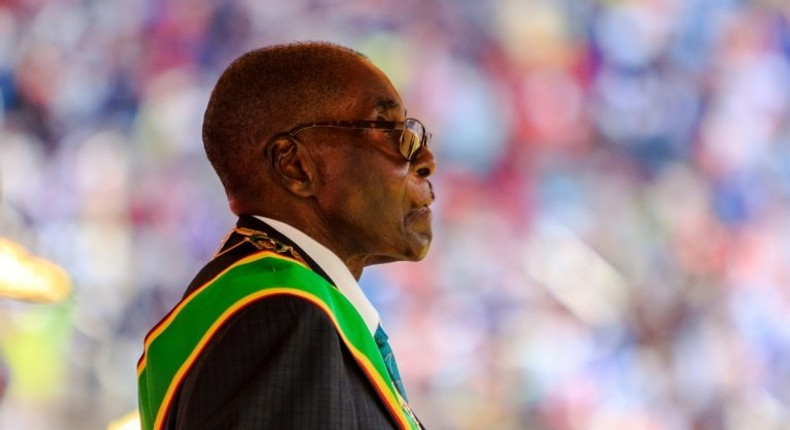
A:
(328, 175)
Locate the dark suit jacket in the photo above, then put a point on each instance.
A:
(278, 364)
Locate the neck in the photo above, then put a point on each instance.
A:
(355, 264)
(314, 227)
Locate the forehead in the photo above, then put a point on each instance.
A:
(373, 93)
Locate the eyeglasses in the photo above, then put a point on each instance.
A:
(413, 136)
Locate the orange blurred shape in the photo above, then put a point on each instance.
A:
(130, 421)
(24, 276)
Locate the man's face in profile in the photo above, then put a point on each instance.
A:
(376, 198)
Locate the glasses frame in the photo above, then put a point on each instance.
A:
(408, 151)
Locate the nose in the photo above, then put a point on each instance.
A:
(424, 164)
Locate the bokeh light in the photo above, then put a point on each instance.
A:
(612, 224)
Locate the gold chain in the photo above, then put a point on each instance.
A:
(261, 240)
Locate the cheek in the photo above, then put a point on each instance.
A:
(379, 205)
(390, 193)
(383, 201)
(366, 188)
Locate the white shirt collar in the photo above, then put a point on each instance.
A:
(334, 267)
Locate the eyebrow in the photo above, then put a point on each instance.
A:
(386, 105)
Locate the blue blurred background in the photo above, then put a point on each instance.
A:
(612, 229)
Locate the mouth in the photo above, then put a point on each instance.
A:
(422, 211)
(421, 208)
(427, 199)
(421, 215)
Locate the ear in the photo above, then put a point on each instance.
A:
(292, 166)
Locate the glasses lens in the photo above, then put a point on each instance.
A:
(412, 138)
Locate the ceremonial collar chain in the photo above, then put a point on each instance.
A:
(262, 240)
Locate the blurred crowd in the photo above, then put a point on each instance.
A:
(612, 225)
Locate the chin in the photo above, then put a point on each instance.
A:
(419, 250)
(423, 253)
(410, 253)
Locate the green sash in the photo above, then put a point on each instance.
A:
(173, 346)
